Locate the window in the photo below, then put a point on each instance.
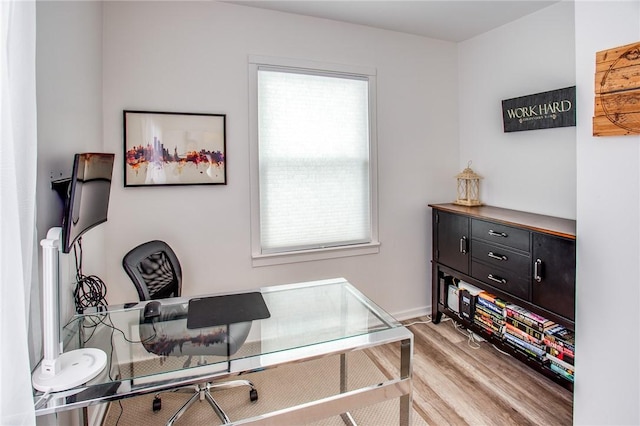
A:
(313, 160)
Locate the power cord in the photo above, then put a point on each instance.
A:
(471, 339)
(428, 321)
(99, 318)
(90, 291)
(500, 350)
(105, 319)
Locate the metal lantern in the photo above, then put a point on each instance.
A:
(468, 187)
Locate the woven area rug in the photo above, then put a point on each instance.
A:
(278, 388)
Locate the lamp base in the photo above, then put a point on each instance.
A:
(76, 367)
(468, 203)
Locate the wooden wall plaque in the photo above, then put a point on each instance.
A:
(617, 91)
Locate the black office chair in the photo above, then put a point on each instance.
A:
(155, 270)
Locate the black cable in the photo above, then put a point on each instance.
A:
(100, 319)
(90, 291)
(121, 412)
(105, 319)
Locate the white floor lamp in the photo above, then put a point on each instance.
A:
(60, 370)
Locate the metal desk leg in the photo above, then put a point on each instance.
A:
(346, 417)
(406, 349)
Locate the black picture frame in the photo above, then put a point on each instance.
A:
(174, 148)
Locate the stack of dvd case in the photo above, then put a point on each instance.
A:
(560, 350)
(489, 313)
(525, 331)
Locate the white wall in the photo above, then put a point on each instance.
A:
(607, 338)
(192, 57)
(531, 170)
(69, 91)
(69, 98)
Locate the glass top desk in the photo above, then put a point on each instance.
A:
(307, 321)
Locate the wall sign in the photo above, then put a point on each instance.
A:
(617, 87)
(555, 108)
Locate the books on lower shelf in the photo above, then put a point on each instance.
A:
(549, 343)
(561, 337)
(524, 328)
(531, 349)
(560, 344)
(539, 338)
(489, 313)
(528, 318)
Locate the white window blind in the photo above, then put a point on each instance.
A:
(314, 159)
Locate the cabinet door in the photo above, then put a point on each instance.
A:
(452, 240)
(554, 274)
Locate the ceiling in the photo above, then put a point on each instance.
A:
(452, 20)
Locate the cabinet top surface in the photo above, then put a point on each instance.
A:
(535, 222)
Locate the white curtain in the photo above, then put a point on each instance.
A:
(18, 245)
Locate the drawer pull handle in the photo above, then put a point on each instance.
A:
(497, 234)
(497, 279)
(496, 256)
(463, 245)
(537, 270)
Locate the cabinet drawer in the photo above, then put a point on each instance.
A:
(507, 281)
(500, 234)
(501, 257)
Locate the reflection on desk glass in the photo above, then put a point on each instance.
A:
(168, 335)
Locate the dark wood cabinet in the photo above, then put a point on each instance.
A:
(452, 241)
(522, 258)
(553, 286)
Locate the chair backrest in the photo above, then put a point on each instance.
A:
(155, 270)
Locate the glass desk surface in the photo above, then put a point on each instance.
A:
(307, 320)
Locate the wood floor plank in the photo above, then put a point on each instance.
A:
(462, 382)
(463, 375)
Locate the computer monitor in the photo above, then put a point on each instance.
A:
(87, 202)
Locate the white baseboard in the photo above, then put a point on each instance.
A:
(412, 313)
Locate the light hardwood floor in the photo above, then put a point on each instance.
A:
(456, 382)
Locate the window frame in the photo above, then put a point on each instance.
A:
(314, 68)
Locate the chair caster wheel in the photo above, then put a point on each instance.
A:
(157, 404)
(253, 395)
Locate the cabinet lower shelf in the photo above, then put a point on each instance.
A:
(439, 295)
(504, 347)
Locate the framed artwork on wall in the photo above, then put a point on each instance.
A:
(617, 91)
(170, 148)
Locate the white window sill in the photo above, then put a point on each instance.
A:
(316, 254)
